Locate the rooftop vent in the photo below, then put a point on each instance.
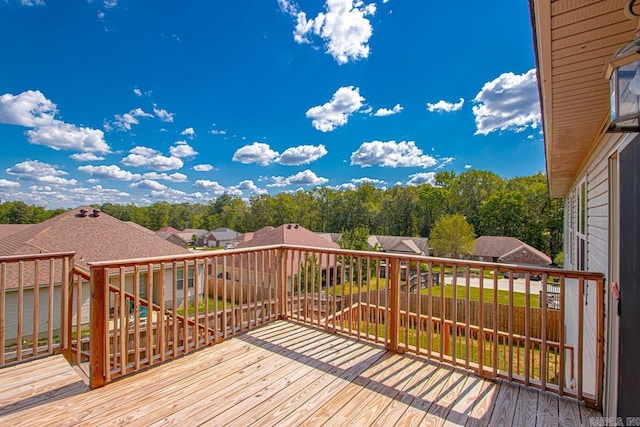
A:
(96, 213)
(83, 212)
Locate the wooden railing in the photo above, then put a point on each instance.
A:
(150, 310)
(146, 311)
(36, 305)
(381, 306)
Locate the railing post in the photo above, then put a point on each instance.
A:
(281, 283)
(65, 323)
(394, 305)
(97, 347)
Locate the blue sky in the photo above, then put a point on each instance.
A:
(128, 101)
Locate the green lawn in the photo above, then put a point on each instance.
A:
(352, 288)
(212, 306)
(474, 295)
(461, 349)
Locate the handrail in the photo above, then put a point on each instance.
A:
(199, 299)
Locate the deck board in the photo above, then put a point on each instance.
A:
(282, 373)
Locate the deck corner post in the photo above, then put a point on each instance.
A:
(394, 305)
(97, 347)
(281, 265)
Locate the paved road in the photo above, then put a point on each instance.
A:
(519, 285)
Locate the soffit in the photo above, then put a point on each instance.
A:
(574, 40)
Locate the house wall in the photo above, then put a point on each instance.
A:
(595, 175)
(11, 311)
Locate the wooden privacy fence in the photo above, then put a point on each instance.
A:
(517, 313)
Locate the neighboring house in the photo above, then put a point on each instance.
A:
(173, 238)
(295, 235)
(245, 237)
(188, 233)
(508, 250)
(169, 230)
(596, 173)
(392, 244)
(93, 236)
(220, 238)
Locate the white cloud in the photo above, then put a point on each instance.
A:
(443, 106)
(109, 172)
(346, 101)
(509, 102)
(302, 154)
(382, 112)
(5, 183)
(34, 170)
(203, 168)
(126, 120)
(365, 180)
(151, 159)
(30, 109)
(444, 162)
(246, 186)
(86, 157)
(30, 3)
(212, 186)
(345, 186)
(391, 154)
(264, 155)
(344, 27)
(188, 132)
(162, 114)
(304, 178)
(136, 91)
(467, 166)
(149, 184)
(218, 132)
(174, 177)
(182, 149)
(422, 178)
(110, 4)
(64, 136)
(257, 152)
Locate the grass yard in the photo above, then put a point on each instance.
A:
(474, 295)
(212, 306)
(518, 366)
(353, 288)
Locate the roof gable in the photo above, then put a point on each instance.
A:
(94, 238)
(289, 234)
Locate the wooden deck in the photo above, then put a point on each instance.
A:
(283, 373)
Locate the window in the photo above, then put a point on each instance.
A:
(180, 278)
(142, 285)
(577, 224)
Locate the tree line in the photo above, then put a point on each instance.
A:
(518, 207)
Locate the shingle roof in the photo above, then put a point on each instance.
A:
(502, 246)
(289, 234)
(9, 229)
(93, 238)
(224, 234)
(170, 230)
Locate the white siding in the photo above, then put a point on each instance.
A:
(11, 312)
(595, 172)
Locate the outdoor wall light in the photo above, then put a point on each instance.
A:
(623, 73)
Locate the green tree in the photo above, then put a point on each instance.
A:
(503, 214)
(357, 239)
(452, 236)
(433, 202)
(470, 189)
